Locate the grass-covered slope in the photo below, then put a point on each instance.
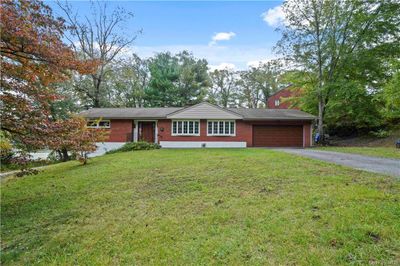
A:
(239, 206)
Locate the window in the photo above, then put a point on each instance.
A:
(179, 127)
(98, 124)
(186, 128)
(277, 102)
(104, 124)
(221, 128)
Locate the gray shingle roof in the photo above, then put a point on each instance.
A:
(158, 113)
(129, 113)
(272, 114)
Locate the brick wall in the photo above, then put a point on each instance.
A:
(243, 133)
(121, 130)
(284, 93)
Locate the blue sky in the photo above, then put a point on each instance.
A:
(226, 33)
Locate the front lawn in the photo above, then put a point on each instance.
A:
(386, 152)
(204, 206)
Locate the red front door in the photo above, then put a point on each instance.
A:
(146, 131)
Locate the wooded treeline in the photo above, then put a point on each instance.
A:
(173, 80)
(344, 55)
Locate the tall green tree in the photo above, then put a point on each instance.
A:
(128, 81)
(258, 83)
(224, 91)
(176, 80)
(340, 42)
(390, 97)
(162, 89)
(193, 79)
(250, 95)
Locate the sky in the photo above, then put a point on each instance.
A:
(229, 34)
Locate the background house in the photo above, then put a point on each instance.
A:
(278, 99)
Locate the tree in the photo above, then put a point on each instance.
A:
(176, 80)
(193, 79)
(249, 94)
(390, 97)
(128, 81)
(224, 90)
(259, 82)
(162, 90)
(33, 57)
(335, 42)
(97, 38)
(72, 135)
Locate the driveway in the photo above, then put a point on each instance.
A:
(361, 162)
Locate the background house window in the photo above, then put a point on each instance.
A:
(186, 128)
(221, 128)
(277, 102)
(98, 124)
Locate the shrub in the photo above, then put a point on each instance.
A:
(380, 133)
(6, 152)
(136, 146)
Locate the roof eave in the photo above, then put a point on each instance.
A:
(275, 119)
(126, 118)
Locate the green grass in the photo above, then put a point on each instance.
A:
(204, 206)
(386, 152)
(13, 167)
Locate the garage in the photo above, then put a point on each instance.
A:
(277, 136)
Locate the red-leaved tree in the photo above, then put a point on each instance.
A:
(33, 58)
(72, 135)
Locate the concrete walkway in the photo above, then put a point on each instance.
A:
(361, 162)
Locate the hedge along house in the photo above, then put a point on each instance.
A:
(204, 125)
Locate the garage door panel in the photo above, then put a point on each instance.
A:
(278, 136)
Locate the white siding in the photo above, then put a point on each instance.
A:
(203, 144)
(103, 147)
(204, 111)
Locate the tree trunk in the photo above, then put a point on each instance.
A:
(320, 128)
(65, 156)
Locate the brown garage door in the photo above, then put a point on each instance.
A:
(278, 136)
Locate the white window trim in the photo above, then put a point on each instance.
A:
(223, 134)
(184, 134)
(97, 126)
(277, 102)
(136, 131)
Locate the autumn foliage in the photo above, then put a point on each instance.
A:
(33, 58)
(73, 136)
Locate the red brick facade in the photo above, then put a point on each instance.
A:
(243, 133)
(279, 96)
(122, 131)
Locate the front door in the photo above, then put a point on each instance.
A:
(146, 131)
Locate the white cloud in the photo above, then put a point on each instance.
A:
(221, 36)
(274, 16)
(257, 63)
(222, 66)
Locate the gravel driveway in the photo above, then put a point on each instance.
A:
(361, 162)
